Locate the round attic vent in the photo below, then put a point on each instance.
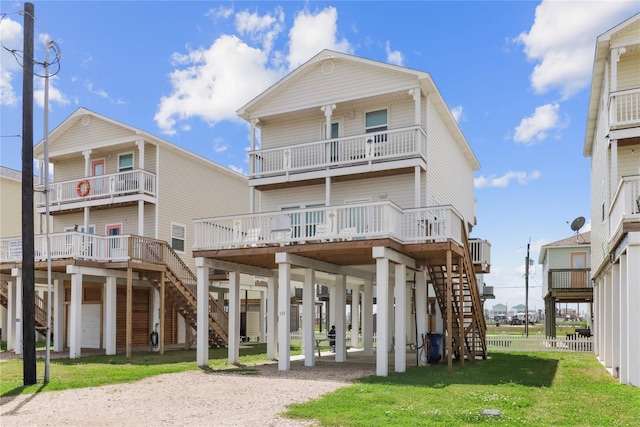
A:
(328, 67)
(86, 119)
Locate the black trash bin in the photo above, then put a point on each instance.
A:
(434, 354)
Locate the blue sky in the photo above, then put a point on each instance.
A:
(516, 75)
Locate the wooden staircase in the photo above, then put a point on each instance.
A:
(40, 309)
(458, 296)
(181, 290)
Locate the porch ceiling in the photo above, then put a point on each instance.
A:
(346, 253)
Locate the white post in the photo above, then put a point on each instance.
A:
(263, 313)
(400, 318)
(421, 305)
(331, 315)
(382, 333)
(272, 318)
(18, 339)
(615, 317)
(202, 316)
(284, 316)
(11, 316)
(58, 315)
(367, 318)
(75, 316)
(341, 300)
(234, 317)
(633, 314)
(110, 296)
(308, 325)
(141, 184)
(355, 317)
(625, 357)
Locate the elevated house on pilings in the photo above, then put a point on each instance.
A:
(121, 203)
(365, 182)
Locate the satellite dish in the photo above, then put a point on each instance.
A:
(577, 223)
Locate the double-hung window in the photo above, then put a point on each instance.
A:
(178, 233)
(376, 121)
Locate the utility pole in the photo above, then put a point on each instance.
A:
(526, 286)
(28, 261)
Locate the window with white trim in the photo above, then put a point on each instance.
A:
(178, 237)
(125, 162)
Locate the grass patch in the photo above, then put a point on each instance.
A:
(100, 370)
(545, 389)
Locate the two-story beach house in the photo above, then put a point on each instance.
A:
(613, 143)
(566, 276)
(121, 202)
(366, 187)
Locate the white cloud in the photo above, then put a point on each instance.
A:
(503, 181)
(101, 93)
(534, 128)
(11, 36)
(562, 38)
(219, 146)
(55, 96)
(393, 56)
(211, 83)
(457, 113)
(312, 33)
(237, 169)
(220, 12)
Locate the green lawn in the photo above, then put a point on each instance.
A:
(539, 389)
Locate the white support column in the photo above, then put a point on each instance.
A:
(382, 334)
(234, 317)
(272, 317)
(608, 332)
(355, 317)
(110, 296)
(327, 191)
(340, 317)
(202, 314)
(625, 359)
(417, 190)
(263, 313)
(308, 324)
(390, 318)
(633, 314)
(327, 110)
(75, 316)
(12, 315)
(252, 166)
(615, 305)
(87, 173)
(613, 159)
(284, 316)
(18, 341)
(140, 144)
(331, 315)
(400, 292)
(421, 305)
(58, 315)
(367, 318)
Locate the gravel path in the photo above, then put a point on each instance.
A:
(187, 398)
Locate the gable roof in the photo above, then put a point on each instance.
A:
(422, 78)
(582, 240)
(599, 64)
(78, 114)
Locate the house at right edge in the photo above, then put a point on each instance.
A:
(613, 143)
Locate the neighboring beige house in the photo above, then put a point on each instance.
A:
(122, 203)
(613, 143)
(362, 182)
(566, 276)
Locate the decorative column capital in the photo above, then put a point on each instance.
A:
(86, 154)
(617, 52)
(415, 93)
(328, 109)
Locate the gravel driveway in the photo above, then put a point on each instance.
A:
(187, 398)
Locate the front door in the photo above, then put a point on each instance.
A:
(115, 247)
(97, 169)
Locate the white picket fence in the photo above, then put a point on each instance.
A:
(510, 343)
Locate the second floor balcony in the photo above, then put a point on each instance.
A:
(337, 154)
(624, 109)
(570, 284)
(115, 188)
(625, 206)
(366, 221)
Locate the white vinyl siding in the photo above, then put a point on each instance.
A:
(629, 71)
(348, 80)
(628, 161)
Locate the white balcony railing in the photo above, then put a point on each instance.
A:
(626, 203)
(624, 108)
(98, 187)
(363, 148)
(331, 223)
(480, 252)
